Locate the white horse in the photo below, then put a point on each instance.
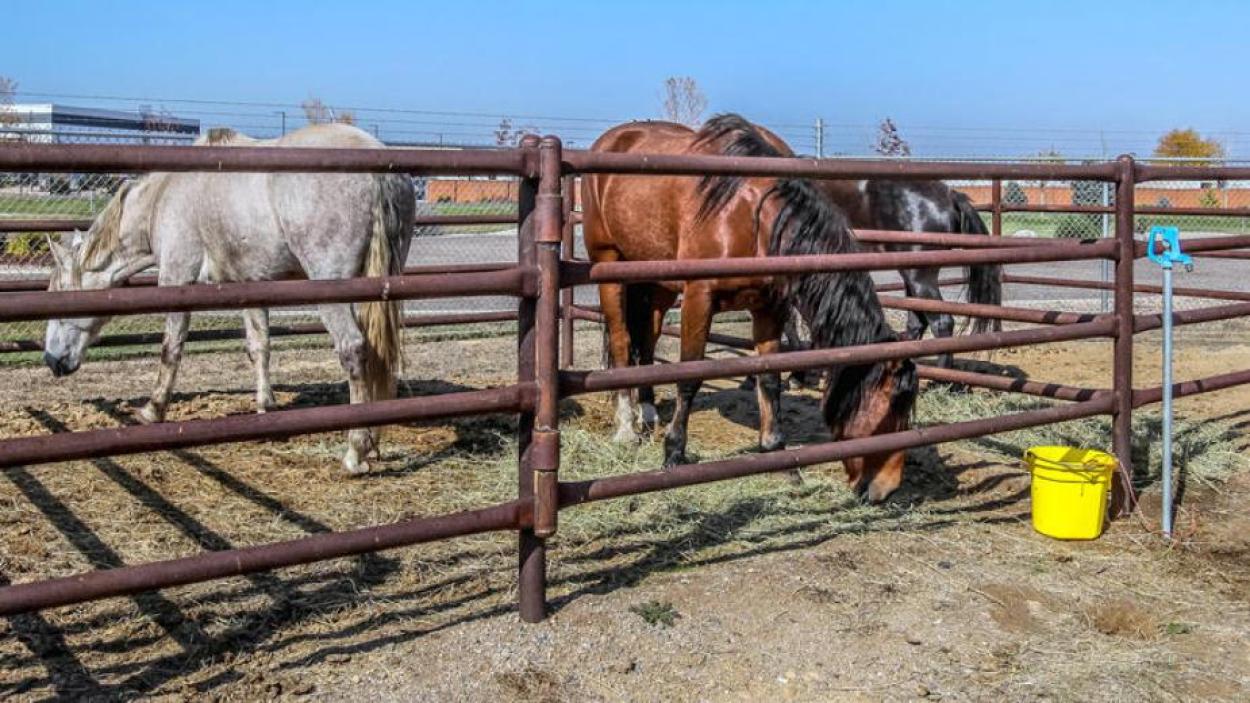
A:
(217, 227)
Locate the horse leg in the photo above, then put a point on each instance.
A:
(612, 299)
(924, 284)
(766, 331)
(349, 344)
(696, 323)
(256, 324)
(794, 339)
(176, 324)
(917, 323)
(660, 301)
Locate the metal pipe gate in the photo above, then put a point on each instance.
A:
(542, 280)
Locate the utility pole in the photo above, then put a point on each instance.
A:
(282, 114)
(820, 138)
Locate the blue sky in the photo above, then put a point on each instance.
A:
(994, 77)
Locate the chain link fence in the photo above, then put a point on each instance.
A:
(78, 198)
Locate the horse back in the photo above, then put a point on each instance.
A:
(638, 218)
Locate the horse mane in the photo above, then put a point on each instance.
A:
(227, 136)
(733, 135)
(217, 136)
(840, 307)
(104, 237)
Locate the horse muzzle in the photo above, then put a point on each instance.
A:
(60, 366)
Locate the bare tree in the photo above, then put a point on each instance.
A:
(503, 133)
(889, 141)
(683, 102)
(317, 112)
(506, 135)
(8, 90)
(154, 120)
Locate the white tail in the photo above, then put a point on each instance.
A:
(381, 322)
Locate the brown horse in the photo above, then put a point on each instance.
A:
(638, 218)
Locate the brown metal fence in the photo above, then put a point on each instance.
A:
(541, 280)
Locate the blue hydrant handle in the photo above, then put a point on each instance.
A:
(1172, 254)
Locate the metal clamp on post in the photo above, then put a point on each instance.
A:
(1164, 248)
(545, 461)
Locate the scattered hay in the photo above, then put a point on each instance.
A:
(1123, 618)
(1207, 452)
(529, 686)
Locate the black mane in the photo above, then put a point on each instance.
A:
(737, 137)
(840, 307)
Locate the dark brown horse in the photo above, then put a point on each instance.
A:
(638, 218)
(911, 206)
(921, 206)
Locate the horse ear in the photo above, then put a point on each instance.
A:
(59, 253)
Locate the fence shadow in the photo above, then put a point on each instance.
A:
(274, 626)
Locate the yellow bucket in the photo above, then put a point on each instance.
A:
(1070, 490)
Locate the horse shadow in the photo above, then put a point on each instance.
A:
(927, 476)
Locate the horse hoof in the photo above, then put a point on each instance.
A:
(792, 477)
(626, 435)
(772, 444)
(355, 467)
(148, 415)
(649, 416)
(675, 459)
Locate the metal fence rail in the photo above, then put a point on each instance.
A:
(541, 281)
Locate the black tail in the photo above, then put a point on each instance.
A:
(985, 282)
(841, 308)
(637, 324)
(638, 320)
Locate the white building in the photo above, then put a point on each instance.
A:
(50, 123)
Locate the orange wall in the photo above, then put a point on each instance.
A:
(1056, 194)
(464, 190)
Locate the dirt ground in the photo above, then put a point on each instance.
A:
(749, 590)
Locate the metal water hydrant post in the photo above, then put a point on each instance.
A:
(1164, 248)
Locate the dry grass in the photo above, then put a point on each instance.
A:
(1207, 452)
(276, 634)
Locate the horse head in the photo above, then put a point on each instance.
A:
(91, 260)
(885, 401)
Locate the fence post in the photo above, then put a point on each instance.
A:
(1122, 411)
(996, 207)
(540, 235)
(568, 252)
(531, 552)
